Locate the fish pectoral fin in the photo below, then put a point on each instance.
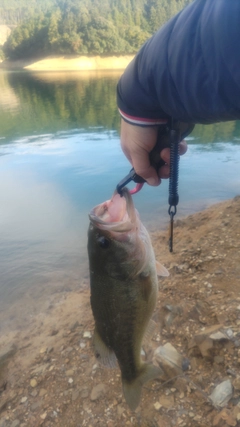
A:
(104, 354)
(161, 270)
(132, 390)
(150, 330)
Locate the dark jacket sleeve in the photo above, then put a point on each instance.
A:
(189, 69)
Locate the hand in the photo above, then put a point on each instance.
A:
(137, 142)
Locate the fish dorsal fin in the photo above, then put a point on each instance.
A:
(104, 355)
(161, 270)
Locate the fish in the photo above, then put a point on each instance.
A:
(123, 287)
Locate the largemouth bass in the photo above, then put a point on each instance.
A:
(124, 286)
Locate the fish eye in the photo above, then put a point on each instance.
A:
(103, 242)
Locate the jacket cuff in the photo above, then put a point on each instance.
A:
(141, 121)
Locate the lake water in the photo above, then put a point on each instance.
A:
(60, 156)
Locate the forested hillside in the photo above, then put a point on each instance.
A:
(87, 27)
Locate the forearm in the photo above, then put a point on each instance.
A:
(189, 70)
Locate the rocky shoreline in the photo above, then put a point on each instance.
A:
(48, 373)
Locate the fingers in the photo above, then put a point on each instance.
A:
(164, 171)
(137, 142)
(165, 153)
(143, 168)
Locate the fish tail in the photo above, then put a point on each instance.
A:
(132, 390)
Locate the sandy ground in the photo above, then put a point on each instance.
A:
(49, 376)
(64, 63)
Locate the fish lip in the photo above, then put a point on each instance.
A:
(119, 226)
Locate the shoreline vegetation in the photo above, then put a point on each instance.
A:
(65, 63)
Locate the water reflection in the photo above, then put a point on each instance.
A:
(50, 103)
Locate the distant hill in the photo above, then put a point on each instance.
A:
(82, 27)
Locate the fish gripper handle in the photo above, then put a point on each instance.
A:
(173, 198)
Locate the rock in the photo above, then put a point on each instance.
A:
(168, 313)
(98, 391)
(15, 423)
(39, 369)
(70, 381)
(84, 393)
(205, 340)
(6, 352)
(87, 334)
(222, 394)
(54, 332)
(74, 326)
(82, 344)
(35, 406)
(43, 416)
(33, 383)
(69, 372)
(24, 399)
(42, 392)
(75, 395)
(157, 406)
(167, 401)
(218, 359)
(168, 358)
(236, 384)
(226, 416)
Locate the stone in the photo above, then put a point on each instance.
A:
(35, 406)
(236, 383)
(98, 391)
(69, 372)
(226, 416)
(33, 383)
(157, 406)
(87, 334)
(42, 392)
(6, 352)
(15, 423)
(75, 395)
(54, 332)
(205, 340)
(167, 401)
(74, 326)
(222, 394)
(84, 393)
(39, 369)
(168, 358)
(24, 399)
(43, 416)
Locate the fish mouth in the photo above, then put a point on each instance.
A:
(117, 214)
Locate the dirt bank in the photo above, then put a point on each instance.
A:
(51, 377)
(63, 63)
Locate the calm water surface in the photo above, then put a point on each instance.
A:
(60, 156)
